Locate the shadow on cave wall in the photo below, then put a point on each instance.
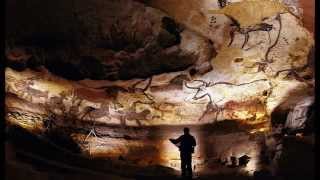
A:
(280, 113)
(297, 154)
(297, 160)
(58, 137)
(28, 143)
(279, 116)
(293, 151)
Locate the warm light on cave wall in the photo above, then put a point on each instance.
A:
(171, 156)
(170, 153)
(165, 153)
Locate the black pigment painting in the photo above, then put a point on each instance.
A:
(159, 89)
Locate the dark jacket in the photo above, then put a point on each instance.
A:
(187, 143)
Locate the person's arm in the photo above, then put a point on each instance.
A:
(176, 141)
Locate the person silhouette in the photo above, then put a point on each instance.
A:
(186, 144)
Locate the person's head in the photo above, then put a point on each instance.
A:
(186, 130)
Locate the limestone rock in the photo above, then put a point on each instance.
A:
(171, 64)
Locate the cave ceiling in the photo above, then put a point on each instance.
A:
(151, 63)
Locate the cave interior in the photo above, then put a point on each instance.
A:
(95, 89)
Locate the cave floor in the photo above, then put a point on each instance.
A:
(24, 164)
(28, 156)
(33, 157)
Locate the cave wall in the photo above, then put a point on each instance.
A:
(172, 64)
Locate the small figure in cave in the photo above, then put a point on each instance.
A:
(186, 144)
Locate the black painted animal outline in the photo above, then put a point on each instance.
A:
(212, 105)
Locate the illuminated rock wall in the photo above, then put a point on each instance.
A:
(214, 65)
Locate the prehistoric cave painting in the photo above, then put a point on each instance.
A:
(25, 119)
(24, 88)
(135, 90)
(181, 112)
(139, 94)
(262, 66)
(245, 14)
(213, 20)
(164, 108)
(175, 83)
(56, 105)
(132, 115)
(292, 73)
(250, 110)
(278, 18)
(38, 94)
(62, 122)
(211, 109)
(211, 84)
(179, 79)
(93, 113)
(55, 102)
(142, 97)
(243, 26)
(212, 106)
(112, 93)
(246, 30)
(96, 113)
(222, 3)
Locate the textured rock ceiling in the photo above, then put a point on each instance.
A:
(164, 62)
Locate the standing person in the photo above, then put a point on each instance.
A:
(186, 144)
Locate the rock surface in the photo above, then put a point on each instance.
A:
(166, 64)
